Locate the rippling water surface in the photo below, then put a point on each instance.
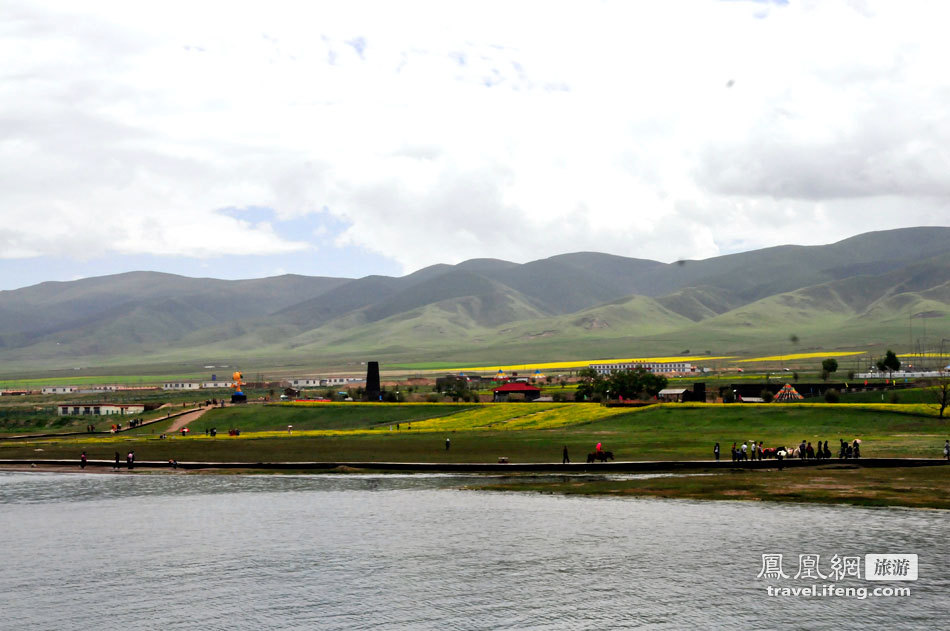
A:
(412, 552)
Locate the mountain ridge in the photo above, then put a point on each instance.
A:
(858, 289)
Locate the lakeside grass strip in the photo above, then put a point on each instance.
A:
(912, 487)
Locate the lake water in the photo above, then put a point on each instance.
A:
(413, 552)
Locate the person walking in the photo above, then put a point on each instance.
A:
(448, 443)
(946, 450)
(733, 452)
(129, 458)
(82, 460)
(115, 467)
(802, 449)
(716, 452)
(745, 451)
(564, 458)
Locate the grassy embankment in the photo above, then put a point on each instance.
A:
(921, 487)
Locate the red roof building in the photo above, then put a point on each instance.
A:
(530, 392)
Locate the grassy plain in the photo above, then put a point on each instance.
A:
(523, 432)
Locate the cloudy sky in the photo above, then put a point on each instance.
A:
(249, 139)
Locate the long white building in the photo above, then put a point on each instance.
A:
(660, 368)
(100, 409)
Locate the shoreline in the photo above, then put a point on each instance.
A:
(634, 466)
(921, 484)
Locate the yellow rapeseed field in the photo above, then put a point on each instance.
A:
(584, 363)
(773, 358)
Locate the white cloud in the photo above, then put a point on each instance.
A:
(441, 131)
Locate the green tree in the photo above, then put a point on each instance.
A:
(589, 383)
(889, 362)
(456, 388)
(632, 384)
(830, 365)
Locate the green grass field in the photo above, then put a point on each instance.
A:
(522, 432)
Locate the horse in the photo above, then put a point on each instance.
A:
(603, 456)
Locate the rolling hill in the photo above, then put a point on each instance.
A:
(863, 292)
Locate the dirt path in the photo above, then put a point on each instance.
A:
(187, 418)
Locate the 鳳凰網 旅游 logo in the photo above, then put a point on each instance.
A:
(812, 575)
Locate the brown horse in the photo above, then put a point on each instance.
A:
(603, 456)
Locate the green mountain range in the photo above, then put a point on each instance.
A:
(889, 288)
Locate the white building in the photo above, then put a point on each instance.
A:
(60, 389)
(95, 389)
(302, 382)
(217, 384)
(339, 381)
(181, 385)
(101, 409)
(660, 368)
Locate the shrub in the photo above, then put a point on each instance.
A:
(894, 398)
(832, 396)
(767, 396)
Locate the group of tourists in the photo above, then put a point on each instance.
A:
(129, 460)
(117, 427)
(754, 450)
(750, 450)
(848, 450)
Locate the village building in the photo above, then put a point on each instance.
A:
(530, 393)
(60, 389)
(181, 385)
(217, 384)
(100, 409)
(659, 368)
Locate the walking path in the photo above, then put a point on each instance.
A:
(485, 467)
(186, 418)
(176, 426)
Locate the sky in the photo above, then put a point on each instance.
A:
(252, 139)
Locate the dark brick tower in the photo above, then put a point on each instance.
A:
(372, 381)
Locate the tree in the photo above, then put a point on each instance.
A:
(632, 384)
(889, 362)
(454, 387)
(830, 365)
(939, 391)
(589, 382)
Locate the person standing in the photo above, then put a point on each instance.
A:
(802, 450)
(82, 460)
(716, 452)
(946, 450)
(448, 443)
(745, 451)
(115, 467)
(564, 457)
(733, 452)
(129, 458)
